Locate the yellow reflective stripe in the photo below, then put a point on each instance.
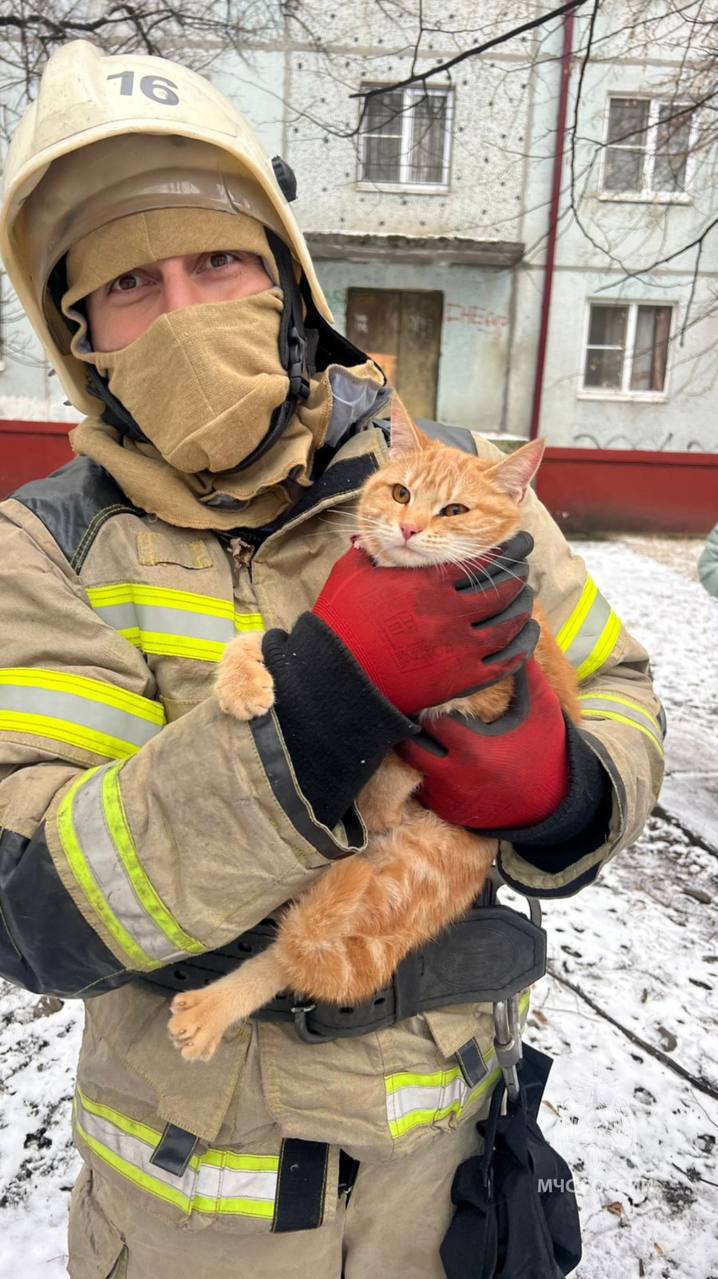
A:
(162, 596)
(131, 1126)
(146, 893)
(61, 730)
(605, 645)
(623, 719)
(225, 1161)
(213, 1156)
(423, 1118)
(171, 623)
(185, 645)
(404, 1079)
(236, 1207)
(94, 690)
(437, 1082)
(248, 622)
(623, 701)
(575, 620)
(243, 1163)
(86, 881)
(175, 645)
(128, 1170)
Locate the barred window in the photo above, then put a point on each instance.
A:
(647, 147)
(406, 137)
(626, 348)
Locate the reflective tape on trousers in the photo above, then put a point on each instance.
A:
(101, 854)
(589, 634)
(218, 1181)
(88, 713)
(622, 710)
(420, 1100)
(174, 623)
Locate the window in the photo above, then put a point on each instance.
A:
(406, 138)
(626, 349)
(647, 147)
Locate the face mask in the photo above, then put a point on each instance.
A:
(203, 382)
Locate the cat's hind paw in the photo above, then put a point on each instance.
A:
(243, 686)
(197, 1024)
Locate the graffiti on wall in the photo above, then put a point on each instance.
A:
(478, 317)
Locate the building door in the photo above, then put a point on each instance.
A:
(402, 332)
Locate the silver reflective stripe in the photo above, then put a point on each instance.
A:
(589, 634)
(418, 1101)
(110, 875)
(623, 710)
(216, 1182)
(157, 620)
(84, 712)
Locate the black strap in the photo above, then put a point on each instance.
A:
(472, 1064)
(301, 1185)
(491, 953)
(174, 1150)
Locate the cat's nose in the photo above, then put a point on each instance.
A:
(408, 530)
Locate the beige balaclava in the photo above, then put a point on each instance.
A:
(201, 382)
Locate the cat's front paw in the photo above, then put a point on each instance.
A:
(243, 686)
(197, 1024)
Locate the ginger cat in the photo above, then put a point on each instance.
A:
(343, 938)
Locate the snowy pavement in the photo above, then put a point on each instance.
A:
(628, 1010)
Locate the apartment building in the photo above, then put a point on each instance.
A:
(429, 212)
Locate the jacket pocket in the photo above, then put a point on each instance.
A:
(166, 548)
(428, 1087)
(97, 1249)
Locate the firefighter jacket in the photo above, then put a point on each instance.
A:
(141, 825)
(708, 563)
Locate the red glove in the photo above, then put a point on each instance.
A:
(425, 635)
(512, 773)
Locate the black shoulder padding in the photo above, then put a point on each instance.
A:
(73, 504)
(457, 437)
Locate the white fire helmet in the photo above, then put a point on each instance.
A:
(111, 136)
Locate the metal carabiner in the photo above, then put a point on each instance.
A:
(507, 1042)
(302, 1027)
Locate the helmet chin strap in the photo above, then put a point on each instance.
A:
(296, 353)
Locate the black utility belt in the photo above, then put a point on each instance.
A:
(488, 955)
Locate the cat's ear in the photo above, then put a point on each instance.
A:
(514, 474)
(405, 434)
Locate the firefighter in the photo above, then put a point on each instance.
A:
(147, 837)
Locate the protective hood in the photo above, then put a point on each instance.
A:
(112, 136)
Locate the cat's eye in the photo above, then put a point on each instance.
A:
(454, 508)
(400, 493)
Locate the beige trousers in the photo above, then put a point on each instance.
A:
(396, 1218)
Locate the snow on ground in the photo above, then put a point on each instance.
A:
(639, 947)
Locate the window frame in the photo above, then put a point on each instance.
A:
(647, 195)
(404, 185)
(624, 393)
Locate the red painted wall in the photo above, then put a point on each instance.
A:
(586, 490)
(628, 490)
(29, 450)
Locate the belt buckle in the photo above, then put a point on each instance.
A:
(302, 1027)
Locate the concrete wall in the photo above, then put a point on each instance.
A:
(474, 337)
(631, 235)
(297, 93)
